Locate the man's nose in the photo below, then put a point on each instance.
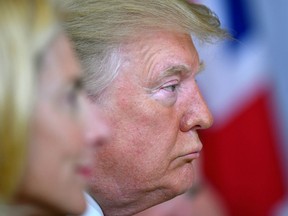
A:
(96, 130)
(197, 115)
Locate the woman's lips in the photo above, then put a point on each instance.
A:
(85, 171)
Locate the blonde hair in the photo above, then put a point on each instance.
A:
(26, 28)
(98, 27)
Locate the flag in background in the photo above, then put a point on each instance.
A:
(241, 151)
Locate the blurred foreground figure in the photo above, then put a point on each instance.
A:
(140, 66)
(44, 159)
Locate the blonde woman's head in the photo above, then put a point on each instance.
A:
(26, 29)
(44, 162)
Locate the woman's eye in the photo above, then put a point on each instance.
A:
(72, 99)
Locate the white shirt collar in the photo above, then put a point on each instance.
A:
(93, 209)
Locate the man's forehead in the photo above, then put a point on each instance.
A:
(174, 63)
(170, 54)
(148, 41)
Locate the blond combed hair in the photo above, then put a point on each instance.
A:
(26, 28)
(98, 27)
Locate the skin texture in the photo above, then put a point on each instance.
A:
(200, 200)
(58, 163)
(206, 203)
(154, 109)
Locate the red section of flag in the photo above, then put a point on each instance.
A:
(241, 161)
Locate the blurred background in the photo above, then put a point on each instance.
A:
(245, 154)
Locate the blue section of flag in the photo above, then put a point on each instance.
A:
(240, 22)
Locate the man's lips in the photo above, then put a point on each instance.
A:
(191, 155)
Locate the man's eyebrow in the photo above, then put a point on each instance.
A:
(174, 70)
(181, 69)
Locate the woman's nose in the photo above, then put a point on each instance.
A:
(96, 130)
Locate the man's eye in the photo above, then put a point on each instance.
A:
(171, 88)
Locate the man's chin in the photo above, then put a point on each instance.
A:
(185, 178)
(182, 181)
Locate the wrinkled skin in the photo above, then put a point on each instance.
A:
(154, 108)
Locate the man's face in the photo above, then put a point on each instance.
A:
(154, 108)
